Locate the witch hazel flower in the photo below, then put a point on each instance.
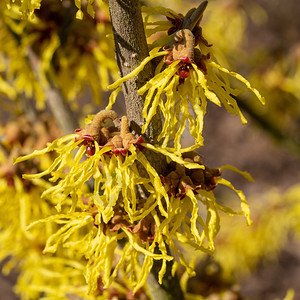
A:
(185, 79)
(97, 169)
(101, 199)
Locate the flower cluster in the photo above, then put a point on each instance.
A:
(54, 50)
(182, 179)
(115, 134)
(27, 7)
(187, 76)
(150, 212)
(21, 204)
(115, 213)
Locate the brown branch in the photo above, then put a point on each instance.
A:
(61, 111)
(131, 48)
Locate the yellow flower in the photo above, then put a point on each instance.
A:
(193, 91)
(181, 89)
(123, 205)
(35, 56)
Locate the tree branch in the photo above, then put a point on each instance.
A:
(131, 48)
(61, 110)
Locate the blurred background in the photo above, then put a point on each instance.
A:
(54, 72)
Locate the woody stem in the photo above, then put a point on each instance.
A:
(131, 48)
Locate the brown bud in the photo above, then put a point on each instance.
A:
(172, 180)
(210, 176)
(197, 177)
(146, 228)
(180, 170)
(117, 141)
(128, 139)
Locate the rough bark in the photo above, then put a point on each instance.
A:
(131, 48)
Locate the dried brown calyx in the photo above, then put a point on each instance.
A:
(176, 21)
(145, 228)
(118, 220)
(180, 179)
(183, 48)
(188, 34)
(188, 22)
(107, 129)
